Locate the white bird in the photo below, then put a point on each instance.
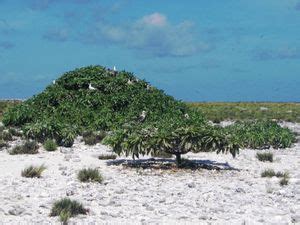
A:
(143, 115)
(91, 87)
(186, 116)
(115, 69)
(148, 87)
(129, 82)
(54, 82)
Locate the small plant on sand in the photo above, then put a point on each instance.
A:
(66, 208)
(92, 138)
(272, 173)
(268, 173)
(284, 181)
(90, 175)
(33, 171)
(107, 156)
(29, 147)
(3, 144)
(6, 136)
(160, 154)
(265, 156)
(50, 145)
(15, 132)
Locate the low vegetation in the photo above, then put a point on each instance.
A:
(5, 105)
(220, 111)
(92, 138)
(261, 135)
(3, 144)
(66, 208)
(107, 156)
(265, 156)
(29, 147)
(138, 118)
(6, 136)
(33, 171)
(90, 175)
(50, 145)
(284, 181)
(272, 173)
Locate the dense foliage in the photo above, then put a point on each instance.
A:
(138, 118)
(69, 107)
(220, 111)
(261, 135)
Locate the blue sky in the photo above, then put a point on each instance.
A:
(196, 50)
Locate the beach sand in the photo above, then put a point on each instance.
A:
(236, 194)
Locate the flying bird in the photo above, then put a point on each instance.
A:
(91, 87)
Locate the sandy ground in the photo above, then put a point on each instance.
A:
(236, 195)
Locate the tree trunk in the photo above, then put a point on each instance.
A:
(178, 159)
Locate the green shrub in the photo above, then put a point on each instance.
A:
(161, 154)
(272, 173)
(107, 156)
(33, 171)
(2, 128)
(67, 108)
(266, 156)
(268, 173)
(29, 147)
(6, 136)
(3, 144)
(284, 181)
(50, 145)
(15, 132)
(66, 208)
(90, 175)
(261, 135)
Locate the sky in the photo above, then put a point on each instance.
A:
(195, 50)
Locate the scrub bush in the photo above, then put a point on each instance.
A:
(66, 208)
(29, 147)
(266, 156)
(33, 171)
(90, 175)
(50, 145)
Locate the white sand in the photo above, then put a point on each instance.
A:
(136, 196)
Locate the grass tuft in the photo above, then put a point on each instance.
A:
(264, 157)
(50, 145)
(161, 154)
(272, 173)
(30, 147)
(66, 208)
(33, 171)
(284, 181)
(90, 175)
(107, 156)
(6, 136)
(3, 144)
(92, 138)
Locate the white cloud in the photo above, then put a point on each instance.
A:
(152, 34)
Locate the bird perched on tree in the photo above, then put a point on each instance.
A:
(186, 116)
(129, 82)
(115, 71)
(91, 87)
(142, 116)
(54, 82)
